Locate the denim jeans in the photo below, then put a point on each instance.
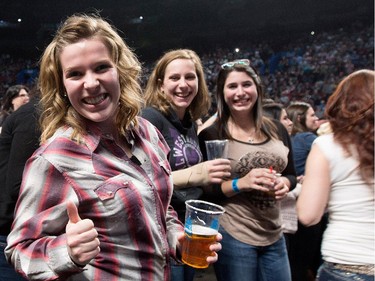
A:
(327, 272)
(243, 262)
(7, 272)
(181, 272)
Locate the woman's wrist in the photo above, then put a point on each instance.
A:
(235, 187)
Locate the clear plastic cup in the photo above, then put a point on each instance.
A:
(201, 228)
(216, 149)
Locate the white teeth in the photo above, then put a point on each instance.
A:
(241, 100)
(95, 100)
(182, 95)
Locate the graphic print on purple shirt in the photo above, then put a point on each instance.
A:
(185, 151)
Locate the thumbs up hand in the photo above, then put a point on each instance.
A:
(81, 237)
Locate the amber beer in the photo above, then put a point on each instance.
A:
(195, 249)
(201, 228)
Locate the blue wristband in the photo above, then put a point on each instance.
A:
(235, 186)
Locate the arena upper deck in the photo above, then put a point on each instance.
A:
(154, 25)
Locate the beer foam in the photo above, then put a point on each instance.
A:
(203, 230)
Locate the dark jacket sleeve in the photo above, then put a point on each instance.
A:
(290, 171)
(18, 140)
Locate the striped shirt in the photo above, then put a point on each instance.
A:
(127, 199)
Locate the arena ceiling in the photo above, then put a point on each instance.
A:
(154, 25)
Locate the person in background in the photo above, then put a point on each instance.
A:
(15, 97)
(18, 140)
(277, 111)
(94, 199)
(304, 244)
(339, 179)
(253, 245)
(176, 96)
(305, 124)
(288, 203)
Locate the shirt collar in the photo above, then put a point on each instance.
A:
(95, 135)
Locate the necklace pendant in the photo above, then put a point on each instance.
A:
(251, 140)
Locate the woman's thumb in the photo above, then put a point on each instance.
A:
(72, 212)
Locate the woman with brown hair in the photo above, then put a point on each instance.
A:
(253, 242)
(176, 97)
(340, 179)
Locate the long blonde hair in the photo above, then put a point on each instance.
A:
(156, 98)
(56, 109)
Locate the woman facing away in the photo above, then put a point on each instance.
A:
(176, 96)
(253, 245)
(339, 178)
(94, 202)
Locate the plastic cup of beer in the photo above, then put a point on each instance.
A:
(201, 228)
(216, 149)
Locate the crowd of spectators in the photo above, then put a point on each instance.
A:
(306, 69)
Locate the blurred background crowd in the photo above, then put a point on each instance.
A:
(306, 69)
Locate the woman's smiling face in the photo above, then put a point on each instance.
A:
(240, 92)
(91, 80)
(180, 84)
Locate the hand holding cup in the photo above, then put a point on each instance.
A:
(201, 233)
